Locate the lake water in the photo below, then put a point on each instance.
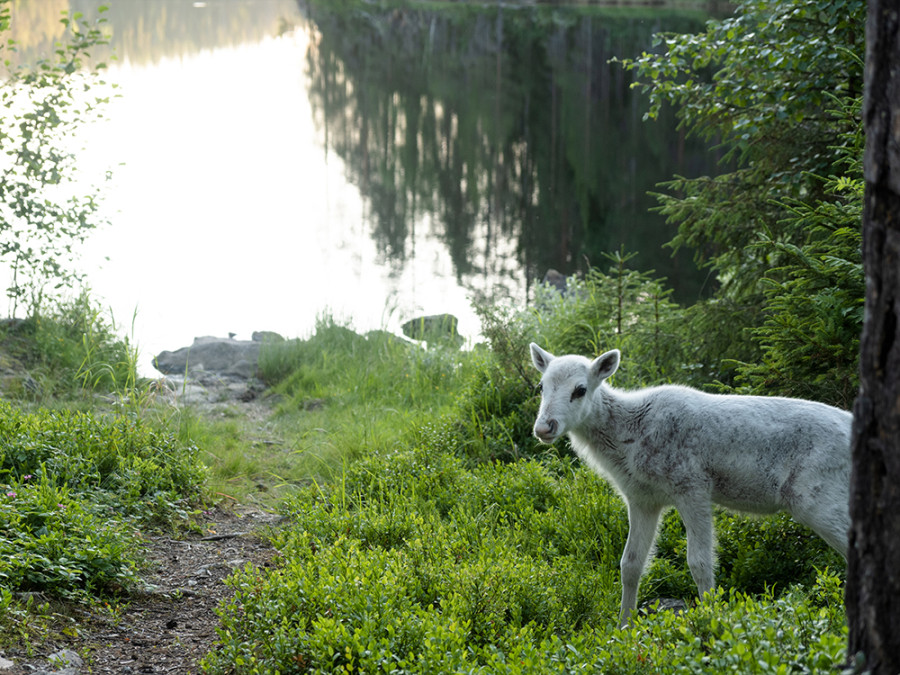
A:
(274, 159)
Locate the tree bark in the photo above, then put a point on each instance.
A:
(873, 578)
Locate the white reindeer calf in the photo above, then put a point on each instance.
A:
(675, 446)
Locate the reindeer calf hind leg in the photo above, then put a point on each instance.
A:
(697, 516)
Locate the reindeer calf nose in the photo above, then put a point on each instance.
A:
(547, 430)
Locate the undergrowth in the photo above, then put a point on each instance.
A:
(418, 561)
(425, 529)
(66, 349)
(343, 395)
(76, 490)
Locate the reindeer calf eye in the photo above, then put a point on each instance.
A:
(580, 391)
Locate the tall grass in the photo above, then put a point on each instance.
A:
(71, 348)
(343, 395)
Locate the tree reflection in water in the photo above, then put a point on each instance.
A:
(506, 130)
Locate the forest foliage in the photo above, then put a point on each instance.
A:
(779, 84)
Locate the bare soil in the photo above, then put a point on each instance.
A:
(169, 627)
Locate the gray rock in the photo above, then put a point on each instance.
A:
(65, 662)
(433, 328)
(222, 356)
(6, 664)
(243, 368)
(556, 279)
(65, 658)
(204, 389)
(189, 392)
(266, 336)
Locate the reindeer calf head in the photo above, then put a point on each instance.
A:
(567, 389)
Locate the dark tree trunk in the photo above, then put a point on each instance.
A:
(873, 579)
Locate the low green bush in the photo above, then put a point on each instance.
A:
(777, 552)
(803, 631)
(754, 555)
(417, 560)
(492, 420)
(54, 542)
(117, 462)
(348, 606)
(621, 308)
(411, 550)
(74, 488)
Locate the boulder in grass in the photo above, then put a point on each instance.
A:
(223, 356)
(435, 328)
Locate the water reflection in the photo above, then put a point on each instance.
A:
(377, 162)
(495, 125)
(143, 32)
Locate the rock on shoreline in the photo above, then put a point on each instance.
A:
(214, 370)
(217, 370)
(225, 357)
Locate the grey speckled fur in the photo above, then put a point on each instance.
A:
(675, 446)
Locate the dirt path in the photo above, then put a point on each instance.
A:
(172, 626)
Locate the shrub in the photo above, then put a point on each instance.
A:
(800, 632)
(411, 560)
(491, 420)
(345, 606)
(73, 489)
(52, 541)
(117, 463)
(416, 560)
(463, 597)
(754, 555)
(43, 219)
(623, 308)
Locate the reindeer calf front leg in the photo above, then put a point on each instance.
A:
(642, 523)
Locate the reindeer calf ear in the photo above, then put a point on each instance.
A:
(606, 364)
(540, 357)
